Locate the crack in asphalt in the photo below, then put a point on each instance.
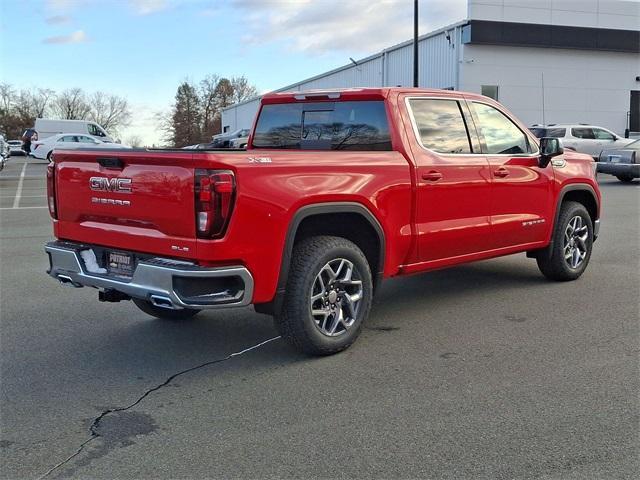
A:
(93, 429)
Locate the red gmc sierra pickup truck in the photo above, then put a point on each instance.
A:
(336, 191)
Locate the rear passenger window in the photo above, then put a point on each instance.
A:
(324, 126)
(583, 133)
(556, 132)
(440, 124)
(501, 135)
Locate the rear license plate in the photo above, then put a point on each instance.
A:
(120, 263)
(615, 158)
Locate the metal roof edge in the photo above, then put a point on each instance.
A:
(363, 60)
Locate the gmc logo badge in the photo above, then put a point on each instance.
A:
(104, 184)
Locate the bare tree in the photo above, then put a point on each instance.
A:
(242, 89)
(71, 105)
(41, 100)
(7, 93)
(208, 100)
(110, 111)
(134, 141)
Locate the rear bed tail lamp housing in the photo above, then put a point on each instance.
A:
(214, 197)
(51, 189)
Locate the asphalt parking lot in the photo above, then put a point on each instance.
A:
(482, 371)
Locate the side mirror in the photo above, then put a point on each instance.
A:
(549, 147)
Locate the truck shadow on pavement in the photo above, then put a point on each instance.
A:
(154, 354)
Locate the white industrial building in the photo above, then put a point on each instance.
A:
(548, 61)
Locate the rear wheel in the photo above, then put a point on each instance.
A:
(568, 255)
(625, 178)
(328, 296)
(164, 313)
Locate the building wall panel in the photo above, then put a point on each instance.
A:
(579, 86)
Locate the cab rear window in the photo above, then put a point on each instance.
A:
(359, 125)
(549, 132)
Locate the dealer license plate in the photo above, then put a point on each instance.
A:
(120, 263)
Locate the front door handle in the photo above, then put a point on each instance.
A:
(501, 172)
(432, 176)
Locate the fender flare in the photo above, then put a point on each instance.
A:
(297, 218)
(572, 187)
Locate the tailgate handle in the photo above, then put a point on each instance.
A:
(111, 162)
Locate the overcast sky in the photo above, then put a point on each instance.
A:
(142, 49)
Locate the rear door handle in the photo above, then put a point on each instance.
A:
(432, 176)
(501, 172)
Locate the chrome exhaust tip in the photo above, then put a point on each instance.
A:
(66, 280)
(162, 302)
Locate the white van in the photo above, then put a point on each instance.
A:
(47, 128)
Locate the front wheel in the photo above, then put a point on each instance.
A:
(328, 296)
(164, 313)
(625, 178)
(568, 255)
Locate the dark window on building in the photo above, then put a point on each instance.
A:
(490, 91)
(582, 132)
(441, 125)
(324, 126)
(501, 135)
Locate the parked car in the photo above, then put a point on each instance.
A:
(223, 140)
(581, 137)
(15, 147)
(623, 163)
(240, 142)
(5, 150)
(43, 149)
(307, 222)
(48, 127)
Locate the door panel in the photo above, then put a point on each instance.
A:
(586, 141)
(521, 191)
(453, 200)
(453, 214)
(521, 200)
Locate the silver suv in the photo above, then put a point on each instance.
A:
(581, 137)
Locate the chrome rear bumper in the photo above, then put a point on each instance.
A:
(164, 282)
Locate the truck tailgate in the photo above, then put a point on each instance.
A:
(135, 200)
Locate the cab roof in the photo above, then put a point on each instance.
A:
(378, 93)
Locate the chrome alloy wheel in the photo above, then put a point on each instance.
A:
(575, 242)
(335, 297)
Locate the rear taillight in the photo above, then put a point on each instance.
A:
(214, 195)
(51, 189)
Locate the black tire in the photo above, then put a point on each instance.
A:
(49, 156)
(551, 261)
(310, 260)
(625, 178)
(164, 313)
